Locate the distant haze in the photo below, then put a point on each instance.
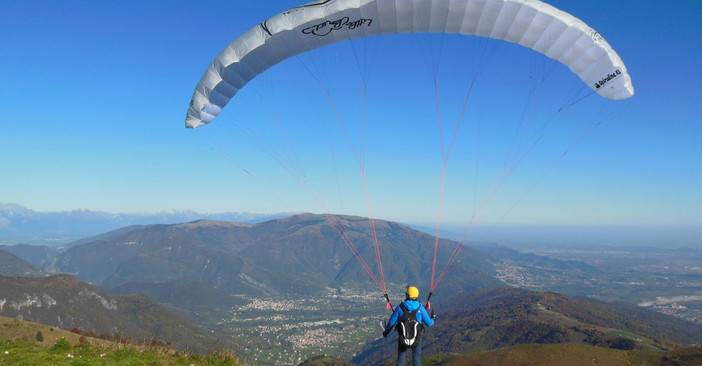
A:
(22, 225)
(516, 236)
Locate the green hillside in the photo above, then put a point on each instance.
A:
(11, 265)
(62, 353)
(28, 343)
(182, 294)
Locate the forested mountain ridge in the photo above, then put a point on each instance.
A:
(12, 265)
(300, 254)
(64, 302)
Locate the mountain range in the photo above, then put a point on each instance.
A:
(36, 255)
(20, 225)
(12, 265)
(300, 254)
(206, 264)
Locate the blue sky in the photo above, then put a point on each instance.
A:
(95, 94)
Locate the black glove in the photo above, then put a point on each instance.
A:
(432, 315)
(385, 334)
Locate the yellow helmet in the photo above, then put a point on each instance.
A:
(412, 292)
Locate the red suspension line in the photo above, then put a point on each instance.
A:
(333, 220)
(362, 164)
(445, 154)
(443, 175)
(496, 187)
(360, 158)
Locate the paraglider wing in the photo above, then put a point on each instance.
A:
(530, 23)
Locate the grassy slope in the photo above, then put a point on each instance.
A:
(19, 346)
(26, 332)
(64, 353)
(60, 347)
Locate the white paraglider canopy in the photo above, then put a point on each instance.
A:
(530, 23)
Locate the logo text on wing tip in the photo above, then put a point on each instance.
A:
(607, 78)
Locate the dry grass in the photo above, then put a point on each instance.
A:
(21, 331)
(24, 331)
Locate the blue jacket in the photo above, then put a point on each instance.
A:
(422, 315)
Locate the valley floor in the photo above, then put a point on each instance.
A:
(279, 331)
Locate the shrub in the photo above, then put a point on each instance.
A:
(60, 345)
(623, 343)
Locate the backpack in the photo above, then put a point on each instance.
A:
(409, 327)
